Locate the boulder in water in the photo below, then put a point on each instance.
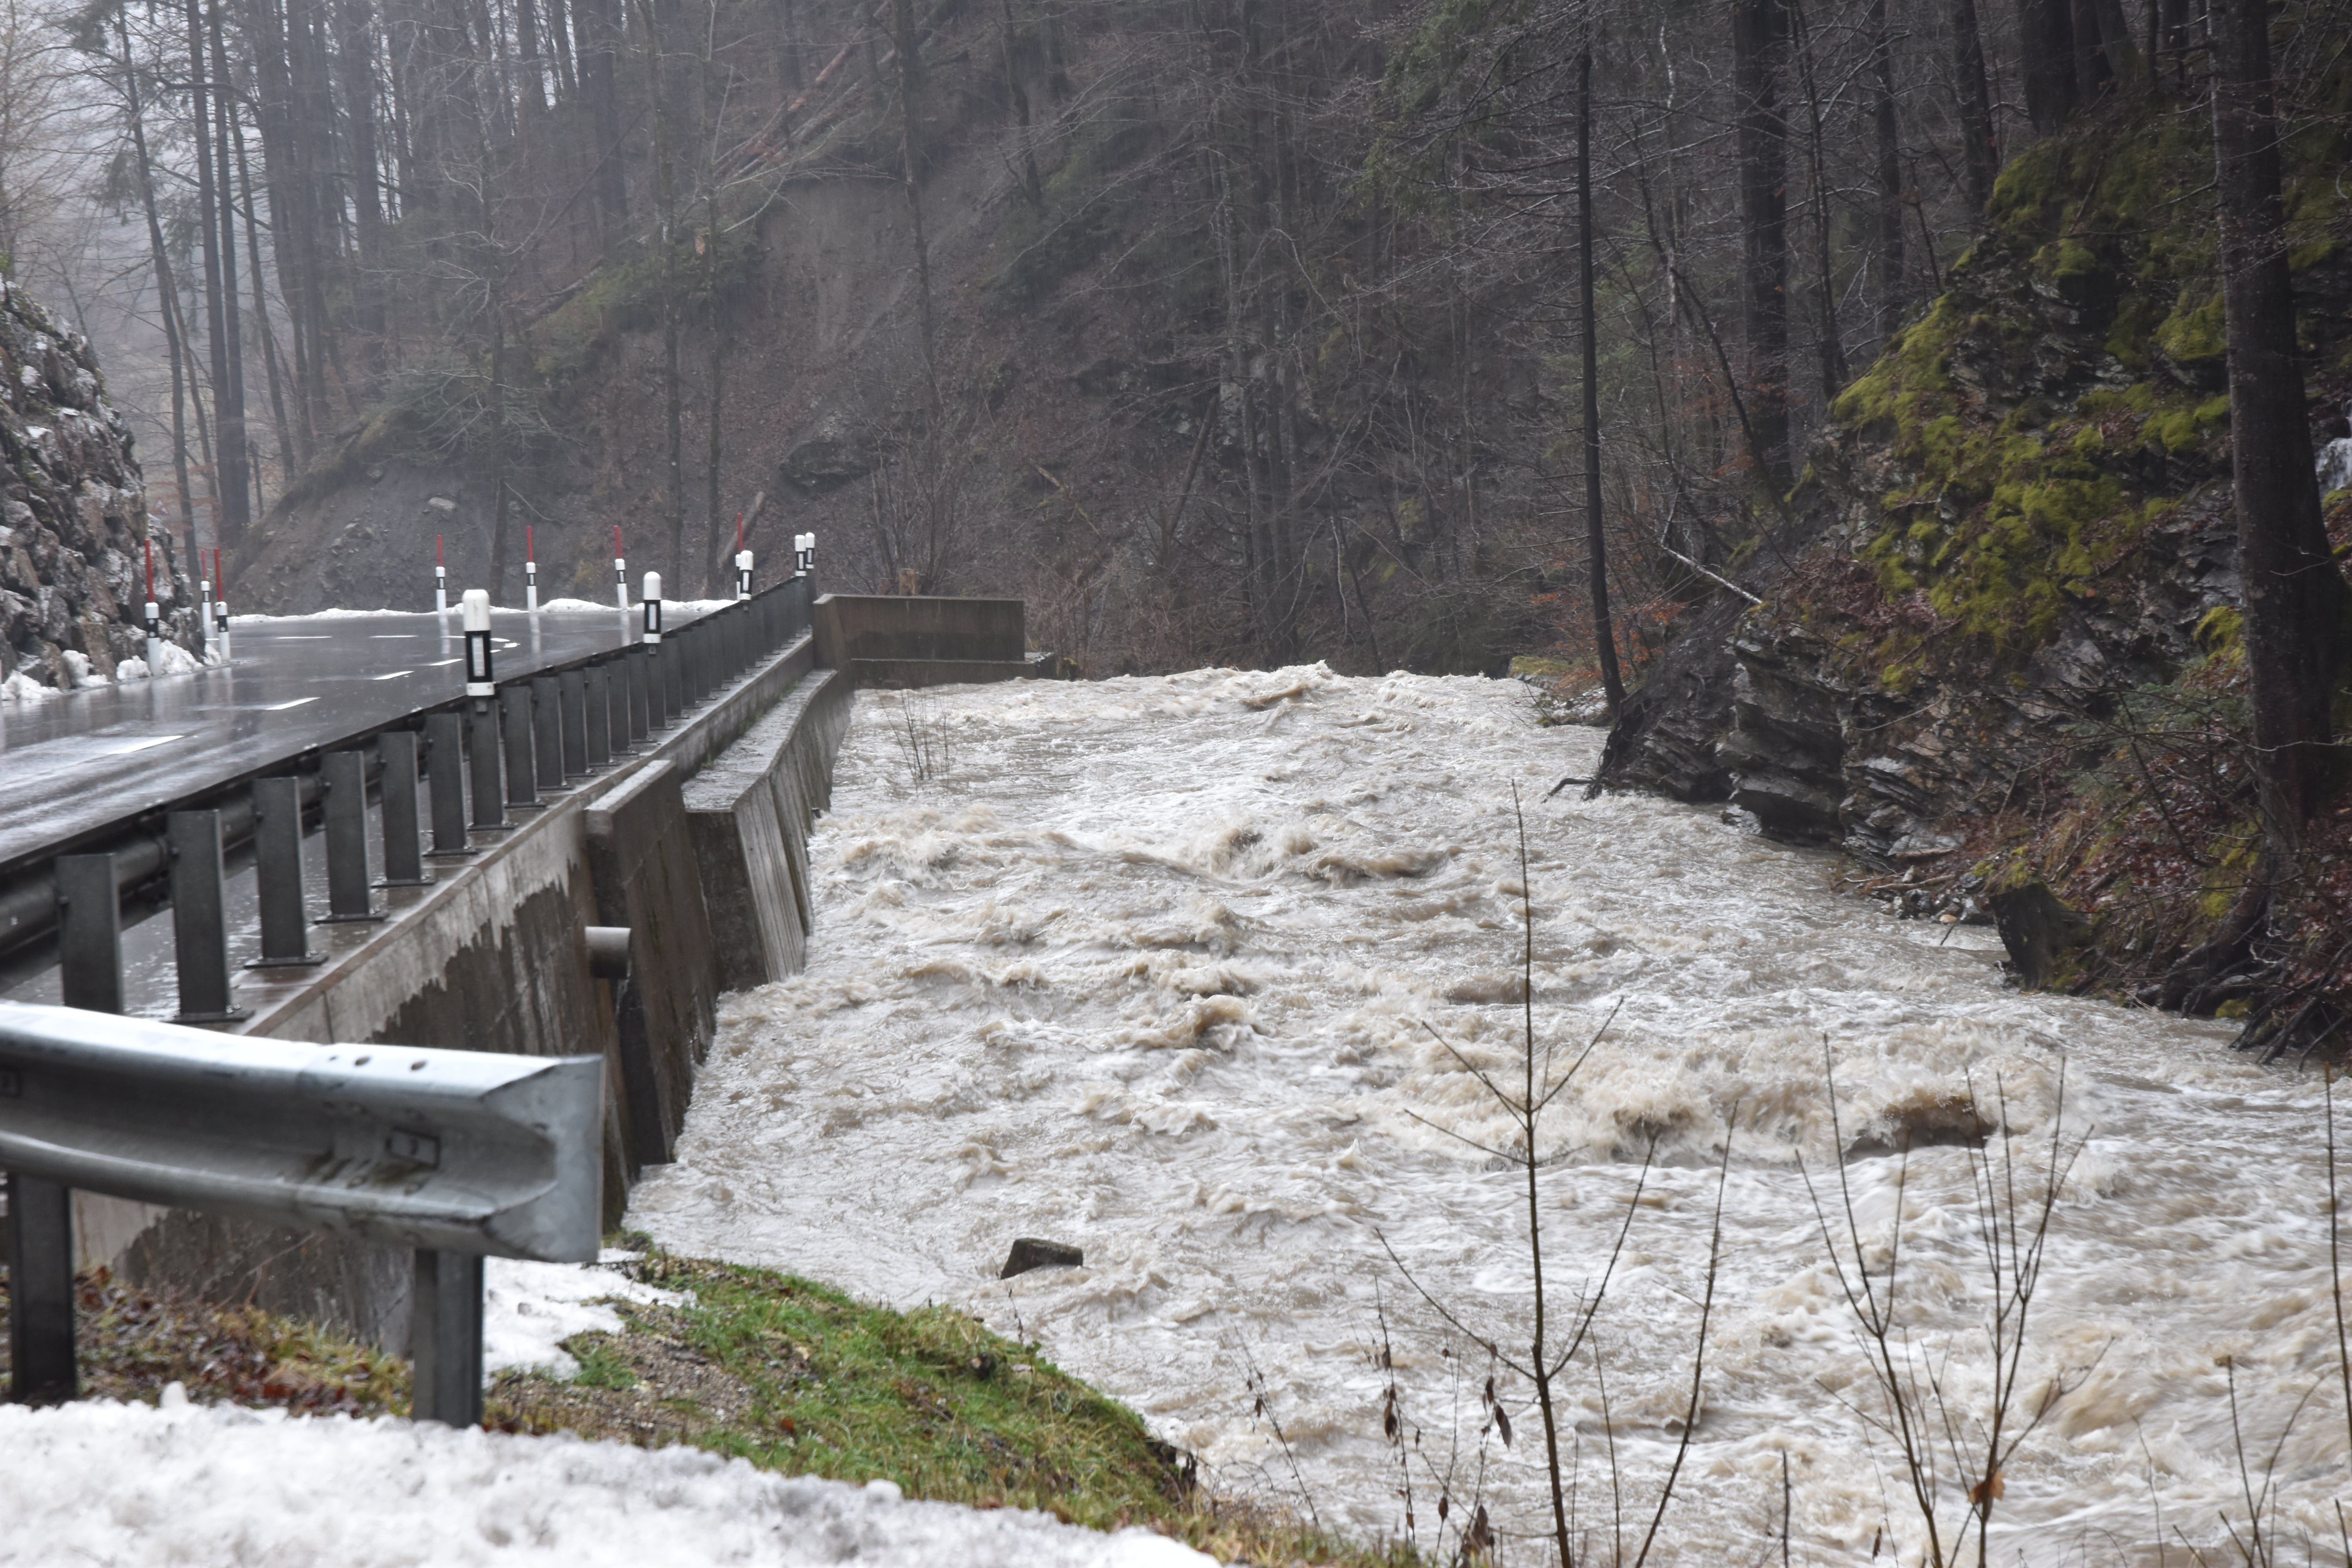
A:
(1028, 1252)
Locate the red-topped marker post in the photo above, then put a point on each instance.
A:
(529, 571)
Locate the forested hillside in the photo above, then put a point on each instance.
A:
(1851, 381)
(1218, 329)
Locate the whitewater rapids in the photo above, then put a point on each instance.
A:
(1175, 970)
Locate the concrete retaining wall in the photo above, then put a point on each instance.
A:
(493, 956)
(750, 813)
(698, 844)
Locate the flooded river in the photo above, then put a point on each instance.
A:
(1191, 971)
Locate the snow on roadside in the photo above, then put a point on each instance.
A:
(528, 1309)
(131, 1486)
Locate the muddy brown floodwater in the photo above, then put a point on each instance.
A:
(1161, 966)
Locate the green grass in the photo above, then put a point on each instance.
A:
(790, 1374)
(797, 1377)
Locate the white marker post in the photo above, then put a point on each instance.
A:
(154, 619)
(479, 683)
(620, 573)
(440, 580)
(220, 605)
(529, 571)
(205, 608)
(742, 574)
(652, 606)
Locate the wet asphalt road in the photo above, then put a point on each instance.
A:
(78, 761)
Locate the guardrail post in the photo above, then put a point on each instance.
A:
(482, 766)
(522, 767)
(547, 730)
(673, 673)
(90, 934)
(660, 708)
(40, 1289)
(444, 1336)
(640, 695)
(277, 875)
(572, 690)
(343, 776)
(199, 922)
(596, 716)
(445, 743)
(41, 1211)
(403, 866)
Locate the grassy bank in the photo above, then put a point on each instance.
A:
(786, 1373)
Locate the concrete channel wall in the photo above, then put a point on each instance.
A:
(675, 843)
(890, 641)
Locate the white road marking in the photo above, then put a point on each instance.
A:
(281, 707)
(394, 675)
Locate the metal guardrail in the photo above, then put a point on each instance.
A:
(457, 1155)
(624, 697)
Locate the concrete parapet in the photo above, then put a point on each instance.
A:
(850, 626)
(493, 956)
(750, 811)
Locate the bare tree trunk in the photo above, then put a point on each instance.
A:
(713, 314)
(2046, 43)
(167, 289)
(1032, 184)
(290, 455)
(2294, 595)
(1604, 633)
(230, 497)
(1980, 147)
(599, 96)
(1830, 345)
(910, 86)
(1760, 47)
(666, 185)
(355, 44)
(1886, 254)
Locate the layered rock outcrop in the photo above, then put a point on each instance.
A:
(1992, 645)
(73, 516)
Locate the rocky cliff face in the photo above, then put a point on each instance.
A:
(1996, 641)
(73, 516)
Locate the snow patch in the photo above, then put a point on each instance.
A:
(143, 1488)
(22, 688)
(528, 1309)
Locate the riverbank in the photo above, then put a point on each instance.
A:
(791, 1377)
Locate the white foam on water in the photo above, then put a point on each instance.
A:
(1176, 970)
